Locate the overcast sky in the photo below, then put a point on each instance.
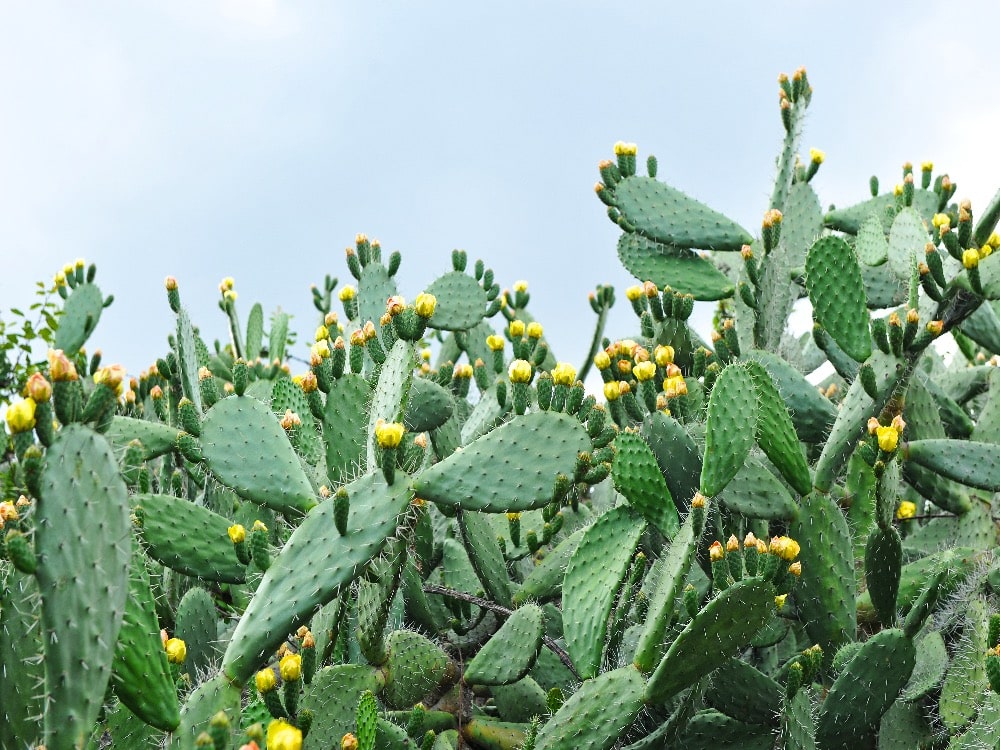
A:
(255, 138)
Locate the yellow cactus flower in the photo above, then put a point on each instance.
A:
(935, 327)
(349, 742)
(906, 510)
(698, 501)
(664, 355)
(564, 374)
(716, 552)
(495, 343)
(534, 330)
(795, 568)
(291, 420)
(779, 600)
(675, 386)
(61, 368)
(8, 512)
(290, 667)
(941, 220)
(21, 416)
(626, 149)
(229, 295)
(644, 371)
(816, 156)
(59, 279)
(283, 736)
(346, 293)
(897, 190)
(462, 371)
(237, 533)
(602, 360)
(732, 544)
(612, 390)
(425, 304)
(520, 285)
(176, 650)
(320, 349)
(517, 328)
(388, 434)
(170, 283)
(771, 217)
(111, 376)
(265, 680)
(322, 333)
(927, 166)
(633, 293)
(258, 525)
(38, 388)
(887, 438)
(784, 547)
(395, 304)
(519, 371)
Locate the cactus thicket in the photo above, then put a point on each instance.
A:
(436, 535)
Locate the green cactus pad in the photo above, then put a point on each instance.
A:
(188, 355)
(595, 715)
(156, 437)
(863, 692)
(676, 455)
(801, 223)
(415, 666)
(812, 414)
(593, 577)
(681, 269)
(965, 461)
(374, 287)
(287, 395)
(932, 661)
(277, 337)
(872, 246)
(826, 587)
(798, 724)
(484, 554)
(247, 450)
(197, 625)
(883, 564)
(510, 653)
(965, 684)
(882, 289)
(83, 544)
(776, 433)
(520, 701)
(722, 627)
(903, 727)
(713, 730)
(546, 577)
(128, 730)
(255, 331)
(756, 492)
(480, 477)
(333, 698)
(20, 643)
(292, 587)
(429, 406)
(743, 692)
(983, 730)
(188, 538)
(637, 476)
(461, 302)
(345, 425)
(907, 240)
(214, 695)
(374, 599)
(140, 674)
(667, 215)
(731, 424)
(389, 397)
(489, 734)
(79, 319)
(849, 220)
(836, 291)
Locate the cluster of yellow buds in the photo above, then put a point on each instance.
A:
(887, 436)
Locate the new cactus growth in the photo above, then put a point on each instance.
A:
(440, 533)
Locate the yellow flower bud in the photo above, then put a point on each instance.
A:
(779, 600)
(699, 500)
(265, 680)
(349, 742)
(927, 166)
(495, 343)
(517, 328)
(795, 568)
(716, 552)
(519, 371)
(732, 544)
(750, 540)
(237, 533)
(625, 149)
(816, 156)
(935, 327)
(970, 258)
(941, 220)
(425, 304)
(170, 283)
(321, 349)
(322, 333)
(520, 286)
(602, 361)
(612, 390)
(176, 650)
(258, 525)
(283, 736)
(633, 293)
(784, 547)
(887, 438)
(897, 190)
(564, 374)
(21, 416)
(61, 369)
(664, 355)
(227, 284)
(906, 510)
(388, 434)
(644, 371)
(534, 330)
(290, 667)
(346, 293)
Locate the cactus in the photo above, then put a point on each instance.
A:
(439, 533)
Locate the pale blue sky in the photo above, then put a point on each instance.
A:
(254, 139)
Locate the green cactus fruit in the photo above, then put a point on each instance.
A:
(140, 674)
(776, 433)
(187, 354)
(812, 414)
(676, 267)
(367, 721)
(520, 701)
(541, 445)
(240, 437)
(966, 683)
(722, 627)
(197, 624)
(968, 462)
(510, 653)
(594, 574)
(865, 690)
(188, 538)
(292, 588)
(82, 525)
(731, 424)
(670, 576)
(157, 438)
(872, 246)
(755, 491)
(545, 579)
(665, 214)
(79, 318)
(333, 697)
(487, 560)
(414, 667)
(883, 566)
(595, 716)
(461, 302)
(743, 692)
(637, 476)
(21, 655)
(345, 426)
(836, 291)
(429, 406)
